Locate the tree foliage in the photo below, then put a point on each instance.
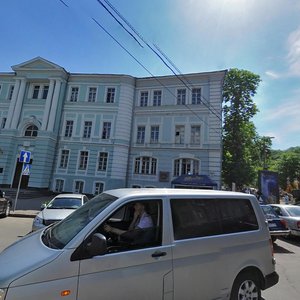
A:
(287, 164)
(240, 152)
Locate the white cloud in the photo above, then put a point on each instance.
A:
(293, 56)
(273, 74)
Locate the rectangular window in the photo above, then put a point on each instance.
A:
(64, 159)
(195, 134)
(3, 122)
(92, 94)
(74, 94)
(140, 139)
(59, 185)
(87, 129)
(106, 130)
(179, 134)
(36, 90)
(45, 91)
(83, 160)
(184, 166)
(79, 186)
(196, 96)
(181, 97)
(69, 128)
(102, 162)
(11, 91)
(154, 134)
(157, 98)
(144, 99)
(110, 95)
(145, 165)
(194, 218)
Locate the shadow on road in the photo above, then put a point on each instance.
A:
(279, 249)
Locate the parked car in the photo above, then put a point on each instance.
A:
(277, 226)
(5, 205)
(57, 209)
(291, 214)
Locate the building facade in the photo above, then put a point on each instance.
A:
(93, 132)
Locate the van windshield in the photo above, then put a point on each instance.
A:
(60, 234)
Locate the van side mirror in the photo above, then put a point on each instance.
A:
(98, 245)
(43, 206)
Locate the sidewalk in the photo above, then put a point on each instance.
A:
(23, 213)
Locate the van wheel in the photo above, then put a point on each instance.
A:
(246, 287)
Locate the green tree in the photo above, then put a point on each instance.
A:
(287, 164)
(239, 133)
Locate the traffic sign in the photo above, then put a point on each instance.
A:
(26, 169)
(24, 156)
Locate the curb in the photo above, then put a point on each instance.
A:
(24, 213)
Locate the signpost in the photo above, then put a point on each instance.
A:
(24, 159)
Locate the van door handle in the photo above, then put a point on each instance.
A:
(158, 254)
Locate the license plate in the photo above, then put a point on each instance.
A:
(272, 225)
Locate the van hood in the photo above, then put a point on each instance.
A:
(24, 256)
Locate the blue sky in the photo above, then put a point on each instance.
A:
(262, 36)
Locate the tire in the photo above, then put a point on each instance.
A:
(246, 287)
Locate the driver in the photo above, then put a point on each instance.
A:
(141, 220)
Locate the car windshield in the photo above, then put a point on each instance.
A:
(64, 203)
(293, 211)
(60, 234)
(269, 211)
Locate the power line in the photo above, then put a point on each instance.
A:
(152, 75)
(159, 55)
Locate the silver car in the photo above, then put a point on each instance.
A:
(291, 214)
(57, 209)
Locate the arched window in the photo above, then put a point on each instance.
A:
(31, 131)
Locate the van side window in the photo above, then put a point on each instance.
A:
(123, 235)
(194, 218)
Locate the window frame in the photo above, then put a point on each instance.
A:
(110, 95)
(31, 131)
(87, 129)
(74, 93)
(196, 96)
(102, 161)
(64, 158)
(145, 165)
(69, 125)
(83, 160)
(144, 98)
(181, 96)
(140, 134)
(157, 98)
(92, 94)
(106, 130)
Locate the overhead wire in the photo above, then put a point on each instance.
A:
(160, 55)
(147, 70)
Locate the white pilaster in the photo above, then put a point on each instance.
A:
(48, 105)
(12, 104)
(53, 109)
(18, 105)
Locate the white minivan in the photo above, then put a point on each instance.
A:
(146, 244)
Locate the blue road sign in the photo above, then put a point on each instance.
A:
(24, 156)
(26, 169)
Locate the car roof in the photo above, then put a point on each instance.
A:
(169, 191)
(69, 196)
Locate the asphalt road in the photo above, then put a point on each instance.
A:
(287, 254)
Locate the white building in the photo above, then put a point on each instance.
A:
(93, 132)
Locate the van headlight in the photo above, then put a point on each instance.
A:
(2, 294)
